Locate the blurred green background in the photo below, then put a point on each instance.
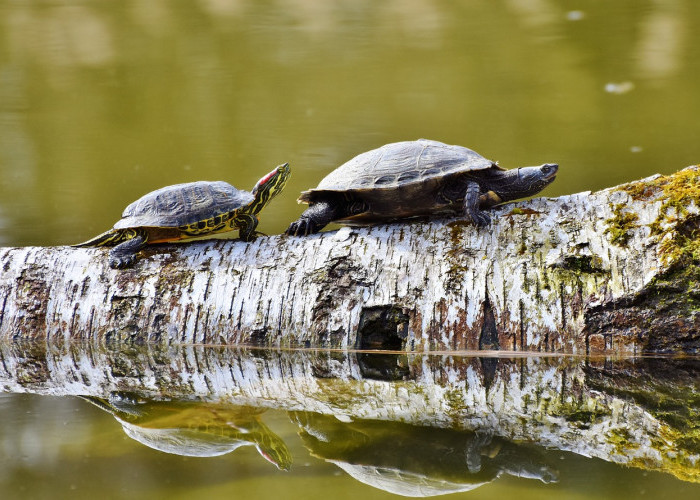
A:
(103, 101)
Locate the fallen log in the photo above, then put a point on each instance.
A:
(610, 271)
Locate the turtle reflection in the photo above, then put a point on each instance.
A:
(418, 461)
(194, 429)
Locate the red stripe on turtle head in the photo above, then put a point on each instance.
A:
(269, 176)
(278, 170)
(282, 170)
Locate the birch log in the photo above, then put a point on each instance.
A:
(611, 271)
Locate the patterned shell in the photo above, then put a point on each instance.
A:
(399, 164)
(182, 204)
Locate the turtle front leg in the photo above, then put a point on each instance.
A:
(124, 254)
(314, 218)
(246, 227)
(471, 206)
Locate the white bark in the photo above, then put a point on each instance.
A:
(531, 281)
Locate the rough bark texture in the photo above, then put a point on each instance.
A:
(641, 412)
(612, 271)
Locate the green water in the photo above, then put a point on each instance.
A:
(65, 448)
(101, 102)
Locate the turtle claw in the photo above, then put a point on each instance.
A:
(121, 261)
(480, 219)
(293, 229)
(248, 238)
(301, 227)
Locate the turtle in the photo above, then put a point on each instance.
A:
(415, 178)
(189, 210)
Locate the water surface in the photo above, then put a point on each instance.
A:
(103, 102)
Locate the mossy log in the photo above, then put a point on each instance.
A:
(610, 271)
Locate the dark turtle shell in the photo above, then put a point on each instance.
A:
(400, 165)
(183, 204)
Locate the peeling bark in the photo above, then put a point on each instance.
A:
(611, 271)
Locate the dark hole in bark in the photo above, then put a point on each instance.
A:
(258, 337)
(382, 328)
(488, 340)
(581, 263)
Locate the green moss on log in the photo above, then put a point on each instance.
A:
(675, 229)
(620, 225)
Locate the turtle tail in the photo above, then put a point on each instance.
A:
(108, 238)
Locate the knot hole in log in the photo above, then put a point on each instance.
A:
(382, 328)
(488, 339)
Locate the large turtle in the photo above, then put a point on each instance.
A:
(187, 211)
(414, 178)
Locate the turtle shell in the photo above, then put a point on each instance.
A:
(401, 164)
(183, 204)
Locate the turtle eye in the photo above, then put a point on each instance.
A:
(548, 168)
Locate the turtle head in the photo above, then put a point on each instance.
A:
(270, 186)
(526, 181)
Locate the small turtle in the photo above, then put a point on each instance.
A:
(415, 178)
(187, 211)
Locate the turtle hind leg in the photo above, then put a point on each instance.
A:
(124, 254)
(314, 218)
(471, 206)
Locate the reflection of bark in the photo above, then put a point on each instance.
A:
(562, 403)
(587, 272)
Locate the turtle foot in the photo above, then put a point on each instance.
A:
(480, 219)
(248, 238)
(122, 261)
(301, 227)
(124, 254)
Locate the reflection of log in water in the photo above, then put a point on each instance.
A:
(562, 403)
(590, 272)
